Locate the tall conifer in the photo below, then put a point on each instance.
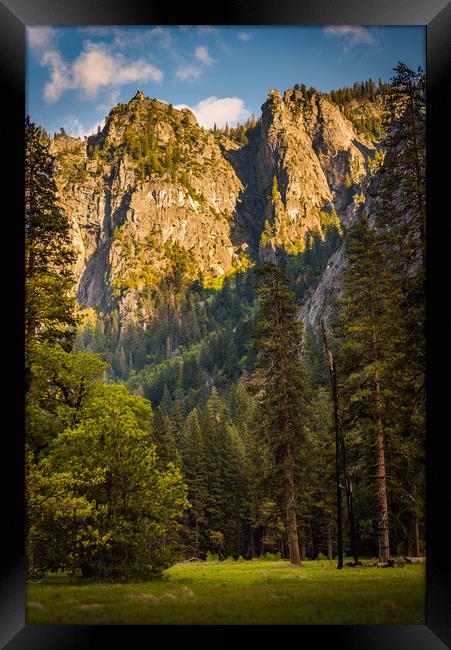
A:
(281, 375)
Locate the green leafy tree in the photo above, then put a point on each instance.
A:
(137, 509)
(63, 383)
(58, 517)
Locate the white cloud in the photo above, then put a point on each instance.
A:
(245, 36)
(96, 67)
(203, 56)
(219, 111)
(41, 38)
(132, 38)
(188, 73)
(59, 75)
(352, 35)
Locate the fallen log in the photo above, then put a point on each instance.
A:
(383, 565)
(415, 560)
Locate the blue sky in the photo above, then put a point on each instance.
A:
(75, 75)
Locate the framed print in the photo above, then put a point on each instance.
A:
(233, 303)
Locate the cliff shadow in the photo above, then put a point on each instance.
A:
(250, 207)
(93, 286)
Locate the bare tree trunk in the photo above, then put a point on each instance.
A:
(339, 439)
(349, 502)
(292, 530)
(330, 363)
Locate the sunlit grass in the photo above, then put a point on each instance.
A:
(255, 592)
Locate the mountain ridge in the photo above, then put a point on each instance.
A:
(152, 178)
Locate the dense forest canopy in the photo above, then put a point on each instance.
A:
(216, 430)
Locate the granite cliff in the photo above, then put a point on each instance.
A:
(153, 188)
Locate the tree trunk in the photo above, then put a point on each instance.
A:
(349, 501)
(332, 373)
(252, 544)
(339, 439)
(381, 479)
(311, 543)
(302, 550)
(196, 536)
(330, 553)
(30, 560)
(339, 508)
(292, 530)
(414, 546)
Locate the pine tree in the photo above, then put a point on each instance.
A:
(164, 439)
(275, 194)
(404, 173)
(194, 473)
(267, 234)
(49, 305)
(283, 388)
(401, 218)
(365, 329)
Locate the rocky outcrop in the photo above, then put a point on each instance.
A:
(153, 178)
(305, 165)
(320, 302)
(104, 191)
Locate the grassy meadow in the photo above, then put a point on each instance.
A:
(252, 592)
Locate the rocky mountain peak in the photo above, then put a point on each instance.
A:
(153, 179)
(139, 95)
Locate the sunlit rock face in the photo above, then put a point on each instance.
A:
(153, 179)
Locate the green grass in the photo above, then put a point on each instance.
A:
(255, 592)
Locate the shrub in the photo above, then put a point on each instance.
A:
(271, 557)
(211, 557)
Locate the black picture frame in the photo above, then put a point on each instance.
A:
(436, 16)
